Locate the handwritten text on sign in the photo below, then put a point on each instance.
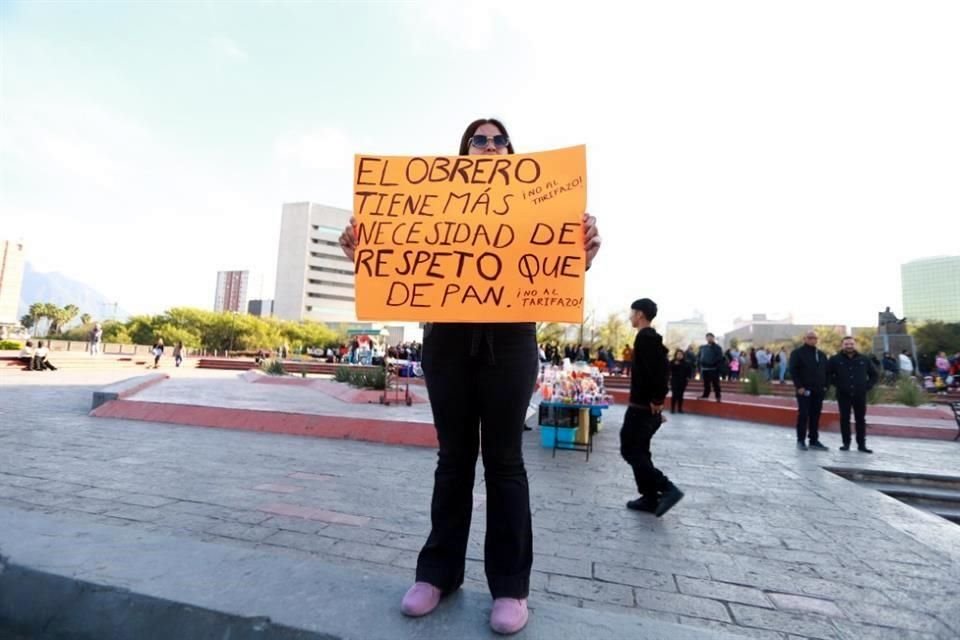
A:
(483, 238)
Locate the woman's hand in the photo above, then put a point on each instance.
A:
(591, 237)
(348, 240)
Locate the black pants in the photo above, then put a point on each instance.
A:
(677, 388)
(808, 416)
(480, 380)
(859, 405)
(639, 426)
(711, 377)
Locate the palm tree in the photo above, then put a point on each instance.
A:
(53, 314)
(86, 319)
(68, 314)
(36, 313)
(27, 322)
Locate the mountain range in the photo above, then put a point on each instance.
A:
(60, 290)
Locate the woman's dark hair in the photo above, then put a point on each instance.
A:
(679, 352)
(472, 129)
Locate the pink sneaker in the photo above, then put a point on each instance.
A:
(421, 599)
(509, 615)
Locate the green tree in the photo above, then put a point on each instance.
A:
(68, 314)
(116, 332)
(27, 321)
(933, 337)
(864, 340)
(36, 315)
(86, 319)
(550, 333)
(54, 315)
(615, 333)
(830, 339)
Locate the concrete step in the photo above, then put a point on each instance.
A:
(935, 494)
(63, 577)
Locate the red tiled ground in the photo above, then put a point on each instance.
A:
(385, 431)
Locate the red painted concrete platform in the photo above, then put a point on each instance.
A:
(340, 391)
(417, 434)
(934, 423)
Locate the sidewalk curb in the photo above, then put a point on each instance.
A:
(125, 388)
(64, 578)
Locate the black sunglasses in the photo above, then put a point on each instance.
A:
(480, 142)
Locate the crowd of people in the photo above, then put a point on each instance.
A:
(366, 352)
(607, 358)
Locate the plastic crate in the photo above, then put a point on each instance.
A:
(564, 437)
(548, 436)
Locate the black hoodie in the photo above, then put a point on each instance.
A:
(648, 382)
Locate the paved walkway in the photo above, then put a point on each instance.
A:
(233, 392)
(767, 544)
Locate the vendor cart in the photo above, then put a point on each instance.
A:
(397, 389)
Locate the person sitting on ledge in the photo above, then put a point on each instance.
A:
(40, 361)
(26, 356)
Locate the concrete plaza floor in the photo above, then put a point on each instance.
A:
(767, 543)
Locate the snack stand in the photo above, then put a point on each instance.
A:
(571, 409)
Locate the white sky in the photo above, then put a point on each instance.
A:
(743, 156)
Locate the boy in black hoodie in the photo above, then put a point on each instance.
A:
(648, 388)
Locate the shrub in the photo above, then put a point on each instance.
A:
(362, 379)
(376, 380)
(756, 385)
(875, 395)
(274, 367)
(10, 345)
(909, 393)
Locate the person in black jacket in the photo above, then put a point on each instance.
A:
(808, 369)
(679, 377)
(648, 388)
(480, 377)
(853, 375)
(711, 361)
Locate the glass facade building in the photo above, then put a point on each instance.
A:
(931, 289)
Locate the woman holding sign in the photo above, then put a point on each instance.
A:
(480, 378)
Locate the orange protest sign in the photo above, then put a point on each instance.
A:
(483, 238)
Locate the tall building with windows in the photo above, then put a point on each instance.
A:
(314, 279)
(231, 291)
(11, 280)
(931, 289)
(683, 333)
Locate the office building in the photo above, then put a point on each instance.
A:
(314, 279)
(232, 291)
(931, 289)
(11, 281)
(680, 334)
(260, 308)
(758, 330)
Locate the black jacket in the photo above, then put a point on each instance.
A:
(808, 368)
(680, 372)
(852, 376)
(711, 357)
(648, 381)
